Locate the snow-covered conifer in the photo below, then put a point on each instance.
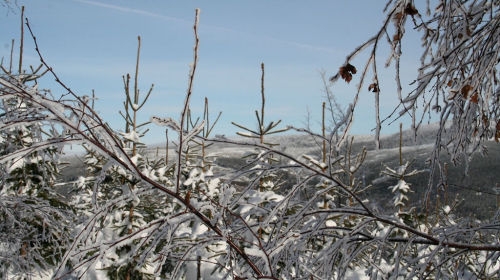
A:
(35, 221)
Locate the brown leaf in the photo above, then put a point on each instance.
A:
(474, 98)
(498, 125)
(467, 30)
(351, 68)
(497, 136)
(347, 71)
(410, 10)
(398, 16)
(450, 82)
(188, 197)
(23, 249)
(465, 90)
(485, 119)
(396, 37)
(373, 87)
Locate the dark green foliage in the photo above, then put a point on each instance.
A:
(121, 273)
(475, 189)
(231, 162)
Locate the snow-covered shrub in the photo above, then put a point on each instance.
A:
(35, 221)
(145, 219)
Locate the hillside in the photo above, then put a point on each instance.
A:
(475, 190)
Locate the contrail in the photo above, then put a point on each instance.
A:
(141, 12)
(123, 9)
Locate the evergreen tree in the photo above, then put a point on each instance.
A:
(35, 220)
(259, 230)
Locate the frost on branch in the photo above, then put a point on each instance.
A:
(458, 78)
(276, 217)
(35, 221)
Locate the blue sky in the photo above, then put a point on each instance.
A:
(91, 44)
